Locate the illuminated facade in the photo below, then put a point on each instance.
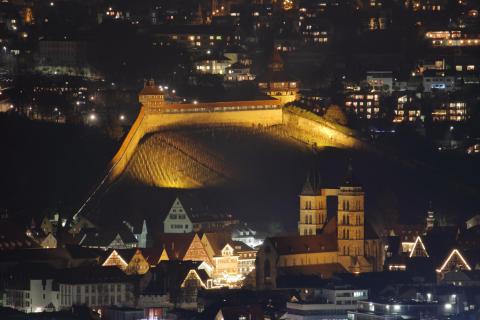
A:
(407, 109)
(212, 65)
(132, 261)
(364, 105)
(452, 38)
(454, 261)
(451, 111)
(232, 260)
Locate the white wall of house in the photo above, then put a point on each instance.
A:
(37, 297)
(94, 294)
(177, 220)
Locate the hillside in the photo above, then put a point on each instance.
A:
(257, 173)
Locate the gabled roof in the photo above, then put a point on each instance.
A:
(125, 254)
(103, 238)
(168, 275)
(218, 241)
(176, 245)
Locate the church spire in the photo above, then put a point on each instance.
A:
(312, 184)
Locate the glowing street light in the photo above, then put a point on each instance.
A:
(92, 117)
(122, 117)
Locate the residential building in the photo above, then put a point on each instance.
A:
(95, 287)
(115, 237)
(246, 235)
(232, 260)
(173, 284)
(131, 261)
(180, 247)
(364, 105)
(407, 109)
(332, 302)
(32, 288)
(438, 81)
(452, 110)
(211, 63)
(188, 214)
(380, 81)
(238, 72)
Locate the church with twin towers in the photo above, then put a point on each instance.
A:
(333, 236)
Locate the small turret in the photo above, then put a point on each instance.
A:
(151, 95)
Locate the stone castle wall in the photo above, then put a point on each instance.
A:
(300, 128)
(148, 121)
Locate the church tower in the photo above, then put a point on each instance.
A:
(313, 207)
(351, 219)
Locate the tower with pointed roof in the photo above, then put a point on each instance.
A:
(313, 207)
(351, 223)
(151, 95)
(276, 83)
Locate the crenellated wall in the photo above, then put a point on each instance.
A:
(299, 127)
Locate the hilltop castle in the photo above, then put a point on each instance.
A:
(326, 244)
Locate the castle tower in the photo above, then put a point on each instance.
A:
(276, 83)
(313, 207)
(351, 219)
(151, 95)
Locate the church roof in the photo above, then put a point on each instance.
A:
(324, 242)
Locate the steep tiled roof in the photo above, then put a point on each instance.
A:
(326, 241)
(176, 245)
(12, 236)
(218, 240)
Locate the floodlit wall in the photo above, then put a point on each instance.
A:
(148, 122)
(299, 126)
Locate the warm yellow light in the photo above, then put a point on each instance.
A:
(417, 241)
(454, 251)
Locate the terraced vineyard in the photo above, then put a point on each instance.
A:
(207, 157)
(257, 173)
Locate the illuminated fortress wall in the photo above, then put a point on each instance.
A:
(296, 125)
(148, 122)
